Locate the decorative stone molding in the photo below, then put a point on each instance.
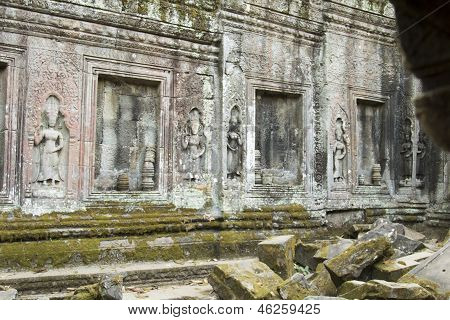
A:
(110, 33)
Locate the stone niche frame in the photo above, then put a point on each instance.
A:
(383, 99)
(12, 62)
(305, 95)
(94, 68)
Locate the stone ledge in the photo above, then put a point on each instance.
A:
(114, 222)
(193, 245)
(58, 280)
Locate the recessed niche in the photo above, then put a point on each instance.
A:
(3, 89)
(127, 128)
(278, 137)
(370, 131)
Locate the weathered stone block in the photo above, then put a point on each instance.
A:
(355, 229)
(278, 254)
(432, 273)
(352, 289)
(7, 293)
(297, 287)
(350, 263)
(330, 251)
(407, 245)
(109, 288)
(305, 251)
(323, 282)
(383, 228)
(395, 232)
(380, 289)
(413, 234)
(394, 269)
(245, 280)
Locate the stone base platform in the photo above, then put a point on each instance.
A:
(54, 284)
(117, 234)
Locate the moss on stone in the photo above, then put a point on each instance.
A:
(197, 15)
(36, 255)
(429, 285)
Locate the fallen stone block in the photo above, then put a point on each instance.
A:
(278, 254)
(330, 251)
(431, 244)
(245, 280)
(321, 279)
(407, 245)
(396, 233)
(350, 264)
(356, 229)
(433, 273)
(304, 252)
(394, 269)
(109, 288)
(297, 287)
(383, 228)
(7, 293)
(352, 290)
(413, 234)
(384, 290)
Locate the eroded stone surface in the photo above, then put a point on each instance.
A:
(7, 293)
(432, 273)
(297, 287)
(249, 280)
(278, 254)
(332, 250)
(350, 264)
(394, 269)
(109, 288)
(322, 280)
(380, 289)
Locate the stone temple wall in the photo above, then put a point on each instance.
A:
(217, 106)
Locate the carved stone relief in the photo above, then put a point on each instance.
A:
(148, 171)
(407, 153)
(234, 145)
(50, 152)
(52, 73)
(258, 175)
(413, 151)
(194, 145)
(339, 152)
(421, 153)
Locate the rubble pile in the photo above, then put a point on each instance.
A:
(384, 260)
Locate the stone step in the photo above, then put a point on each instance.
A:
(54, 283)
(98, 225)
(188, 245)
(144, 227)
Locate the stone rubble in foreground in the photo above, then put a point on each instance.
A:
(372, 265)
(389, 261)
